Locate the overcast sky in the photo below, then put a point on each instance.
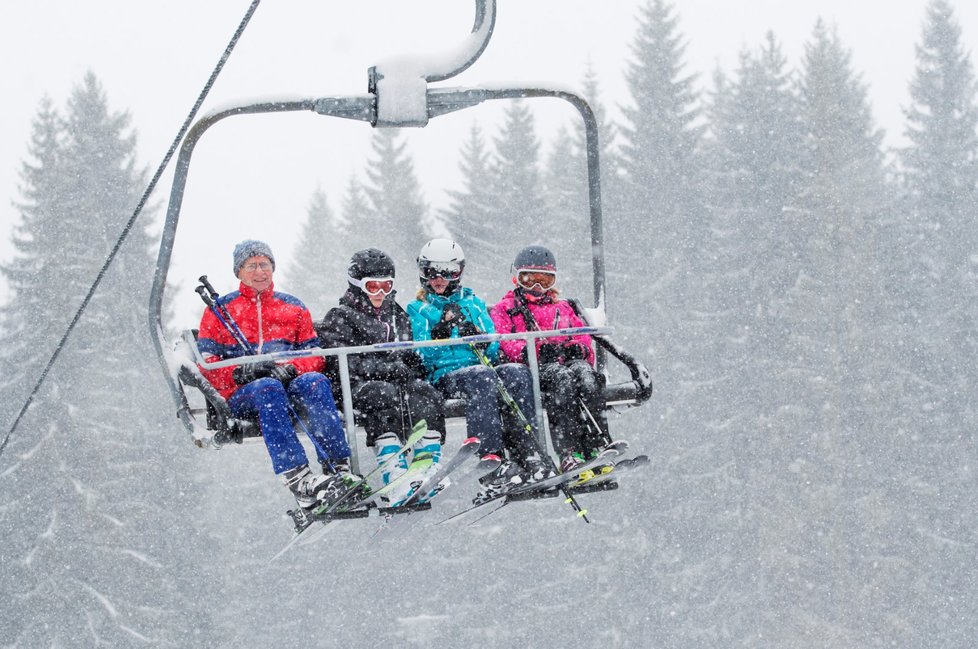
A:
(153, 58)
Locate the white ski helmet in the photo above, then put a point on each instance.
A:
(441, 258)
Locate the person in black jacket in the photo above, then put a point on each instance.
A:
(389, 393)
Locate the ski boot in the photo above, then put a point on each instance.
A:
(346, 474)
(596, 471)
(506, 476)
(571, 460)
(385, 446)
(536, 469)
(312, 490)
(430, 445)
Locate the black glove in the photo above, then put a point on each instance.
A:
(574, 351)
(244, 374)
(284, 373)
(550, 353)
(451, 312)
(450, 316)
(415, 364)
(441, 331)
(466, 328)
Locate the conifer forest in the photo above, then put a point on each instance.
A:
(805, 297)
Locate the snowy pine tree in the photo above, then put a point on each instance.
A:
(516, 185)
(316, 272)
(96, 496)
(831, 364)
(568, 227)
(941, 173)
(33, 282)
(471, 218)
(933, 279)
(755, 156)
(662, 171)
(397, 218)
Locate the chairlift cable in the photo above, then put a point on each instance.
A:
(139, 208)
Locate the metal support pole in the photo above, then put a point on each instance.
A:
(351, 426)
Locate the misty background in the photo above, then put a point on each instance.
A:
(803, 295)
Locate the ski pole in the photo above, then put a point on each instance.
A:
(594, 422)
(211, 299)
(234, 331)
(527, 427)
(233, 326)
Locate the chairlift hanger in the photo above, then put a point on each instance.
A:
(399, 95)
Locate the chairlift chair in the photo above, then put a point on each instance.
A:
(399, 95)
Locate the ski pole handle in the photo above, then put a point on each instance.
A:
(205, 296)
(206, 284)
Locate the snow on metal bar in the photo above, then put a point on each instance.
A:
(405, 344)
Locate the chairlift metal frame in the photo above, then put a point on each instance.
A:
(384, 107)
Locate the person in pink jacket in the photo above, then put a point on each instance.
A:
(572, 389)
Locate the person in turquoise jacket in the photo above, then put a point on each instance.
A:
(444, 309)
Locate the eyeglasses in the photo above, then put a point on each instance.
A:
(374, 285)
(529, 279)
(258, 265)
(447, 270)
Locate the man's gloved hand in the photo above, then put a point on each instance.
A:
(550, 353)
(244, 374)
(574, 351)
(284, 373)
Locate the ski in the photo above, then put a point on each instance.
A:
(302, 520)
(418, 465)
(523, 491)
(609, 479)
(323, 512)
(577, 475)
(429, 488)
(360, 508)
(432, 486)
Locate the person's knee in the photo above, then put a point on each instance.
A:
(310, 383)
(267, 387)
(375, 396)
(426, 391)
(514, 373)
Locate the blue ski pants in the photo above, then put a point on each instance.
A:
(311, 399)
(486, 415)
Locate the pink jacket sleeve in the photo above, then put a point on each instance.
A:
(511, 350)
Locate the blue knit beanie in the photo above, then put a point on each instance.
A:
(251, 248)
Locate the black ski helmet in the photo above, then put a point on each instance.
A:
(442, 257)
(370, 262)
(535, 258)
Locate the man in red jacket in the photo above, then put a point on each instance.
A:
(279, 396)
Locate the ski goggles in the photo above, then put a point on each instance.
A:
(530, 279)
(373, 285)
(447, 270)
